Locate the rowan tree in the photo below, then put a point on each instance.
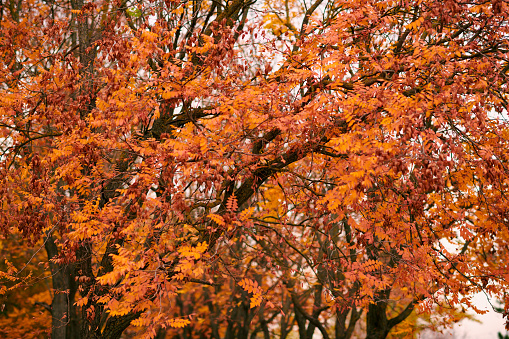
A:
(248, 167)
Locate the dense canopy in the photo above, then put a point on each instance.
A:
(251, 168)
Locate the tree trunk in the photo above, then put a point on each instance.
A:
(377, 324)
(65, 324)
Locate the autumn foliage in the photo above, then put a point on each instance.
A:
(251, 168)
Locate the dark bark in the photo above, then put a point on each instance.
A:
(214, 311)
(65, 324)
(115, 326)
(377, 326)
(317, 308)
(342, 331)
(239, 319)
(377, 323)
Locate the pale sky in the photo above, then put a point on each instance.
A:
(492, 322)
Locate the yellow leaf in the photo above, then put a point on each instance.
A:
(217, 219)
